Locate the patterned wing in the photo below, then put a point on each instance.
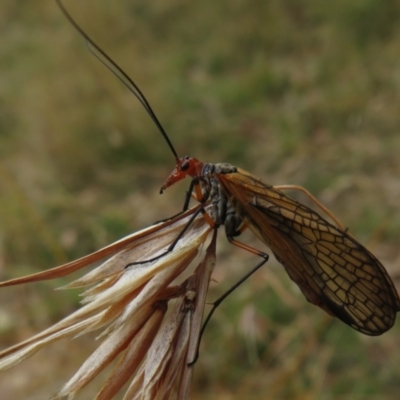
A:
(332, 269)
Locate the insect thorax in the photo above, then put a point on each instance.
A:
(222, 212)
(209, 181)
(219, 168)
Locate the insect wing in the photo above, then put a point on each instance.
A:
(332, 269)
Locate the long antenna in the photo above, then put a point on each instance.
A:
(119, 73)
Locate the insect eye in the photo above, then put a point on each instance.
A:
(184, 166)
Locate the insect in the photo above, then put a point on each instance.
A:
(332, 269)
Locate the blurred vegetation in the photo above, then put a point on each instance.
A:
(303, 92)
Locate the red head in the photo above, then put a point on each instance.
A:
(184, 166)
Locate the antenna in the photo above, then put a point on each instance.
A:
(119, 73)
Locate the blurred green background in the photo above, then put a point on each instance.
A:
(298, 92)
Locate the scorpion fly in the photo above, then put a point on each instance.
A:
(332, 269)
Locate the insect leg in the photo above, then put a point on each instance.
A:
(234, 227)
(217, 302)
(223, 212)
(202, 198)
(194, 184)
(173, 244)
(315, 201)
